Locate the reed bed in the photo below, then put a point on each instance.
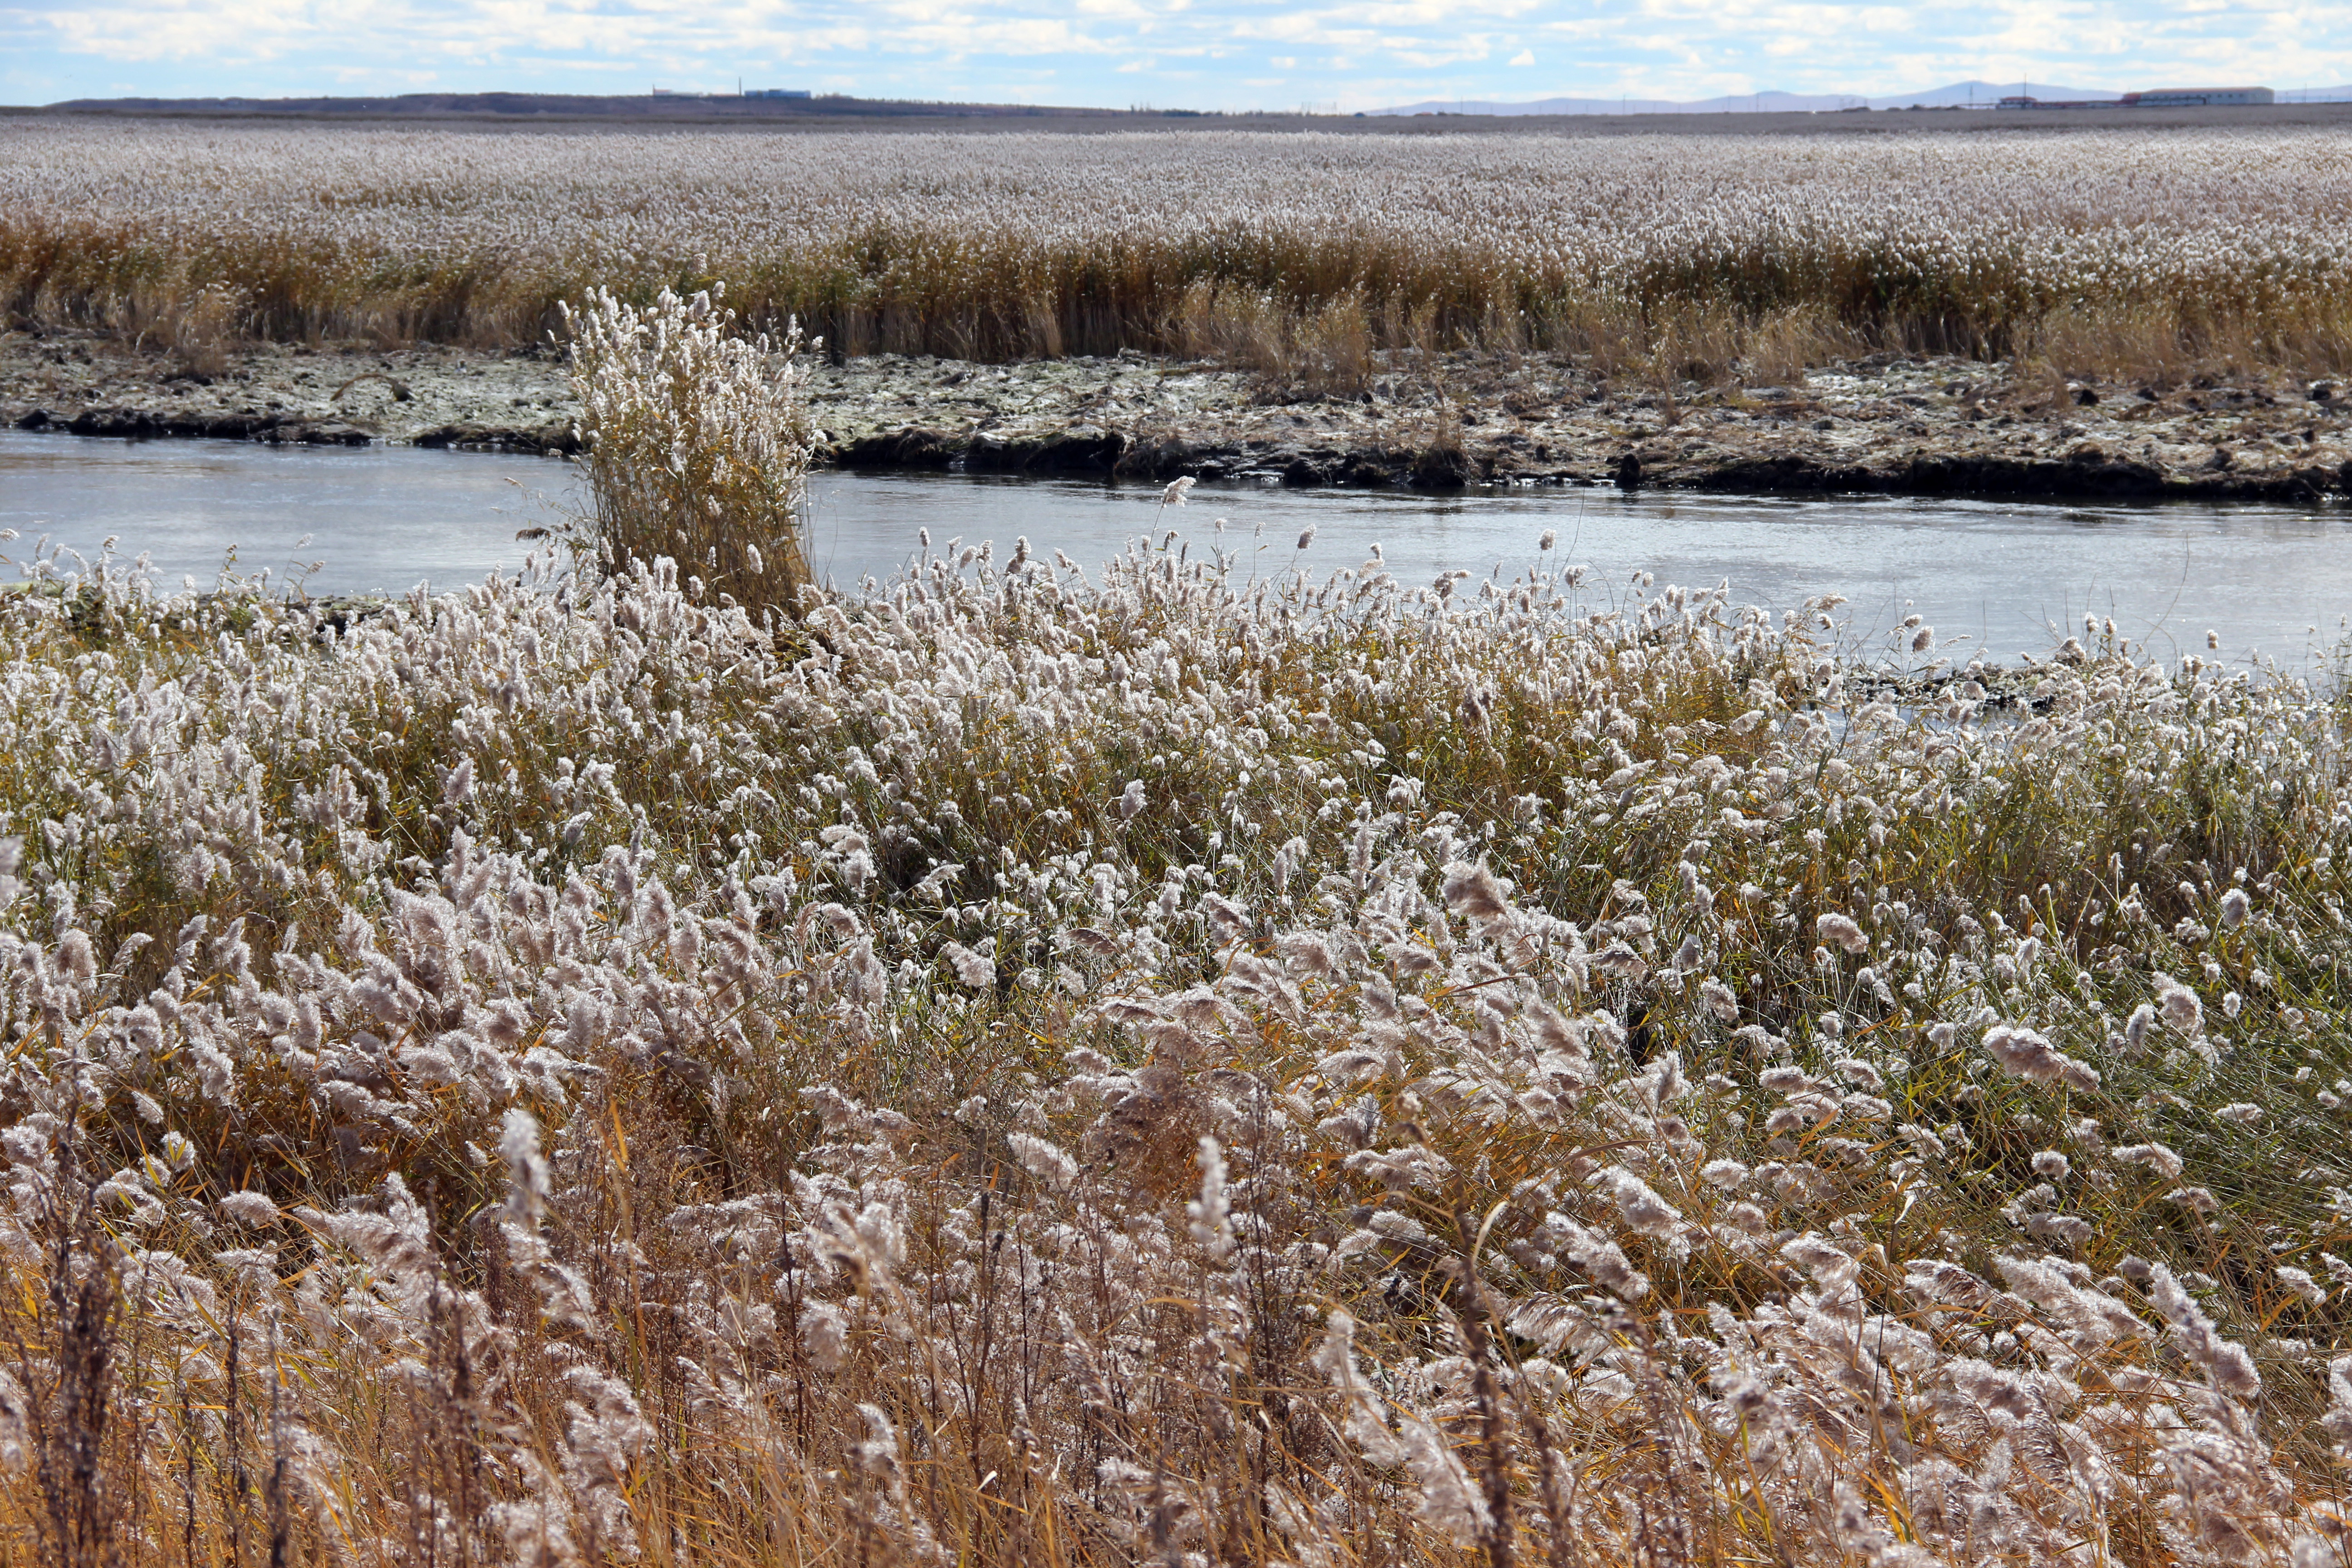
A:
(1195, 1063)
(2102, 249)
(1198, 1064)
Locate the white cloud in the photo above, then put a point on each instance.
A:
(1524, 57)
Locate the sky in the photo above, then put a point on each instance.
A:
(1279, 55)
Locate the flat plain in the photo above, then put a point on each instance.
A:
(2122, 241)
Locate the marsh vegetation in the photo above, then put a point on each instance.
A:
(2136, 251)
(1189, 1063)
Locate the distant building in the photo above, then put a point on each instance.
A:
(2198, 97)
(2162, 98)
(2015, 100)
(780, 92)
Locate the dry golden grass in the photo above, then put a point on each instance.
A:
(1027, 1071)
(2115, 252)
(1185, 1066)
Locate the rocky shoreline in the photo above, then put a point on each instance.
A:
(1437, 422)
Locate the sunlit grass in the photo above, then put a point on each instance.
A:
(805, 962)
(1172, 1064)
(2123, 253)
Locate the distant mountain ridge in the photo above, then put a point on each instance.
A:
(684, 105)
(527, 105)
(1958, 95)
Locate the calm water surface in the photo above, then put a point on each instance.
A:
(2009, 576)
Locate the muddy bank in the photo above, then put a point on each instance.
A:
(1430, 421)
(429, 396)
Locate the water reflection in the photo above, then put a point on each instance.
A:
(2002, 575)
(2006, 576)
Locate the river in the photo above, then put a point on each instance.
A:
(2002, 576)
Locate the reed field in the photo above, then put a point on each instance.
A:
(2130, 251)
(1188, 1062)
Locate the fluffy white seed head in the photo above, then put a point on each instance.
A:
(1843, 931)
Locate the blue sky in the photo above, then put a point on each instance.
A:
(1198, 54)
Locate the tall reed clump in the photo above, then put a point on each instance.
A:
(696, 444)
(1173, 1066)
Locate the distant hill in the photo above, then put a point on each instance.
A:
(569, 106)
(1958, 95)
(691, 107)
